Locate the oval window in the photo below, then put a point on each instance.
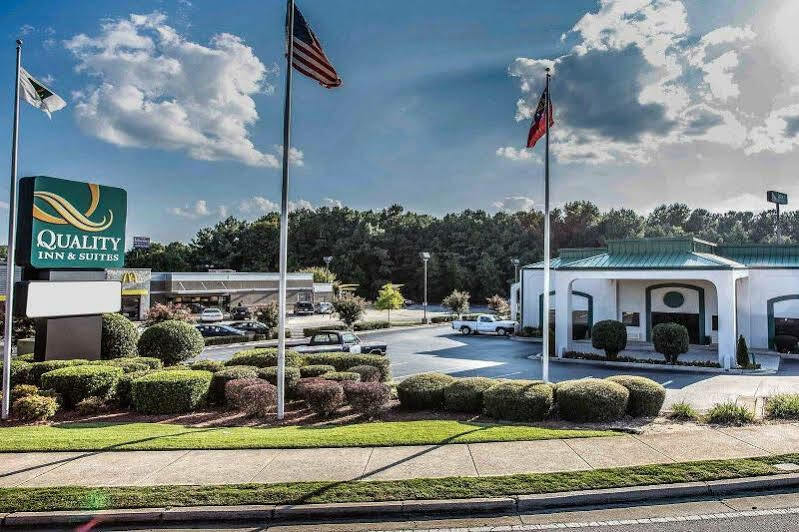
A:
(673, 299)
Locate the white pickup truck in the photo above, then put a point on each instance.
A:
(485, 323)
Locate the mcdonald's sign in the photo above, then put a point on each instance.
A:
(70, 225)
(135, 281)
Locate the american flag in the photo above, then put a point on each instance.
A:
(539, 126)
(308, 56)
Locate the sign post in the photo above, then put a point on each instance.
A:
(777, 198)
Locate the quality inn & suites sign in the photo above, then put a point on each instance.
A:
(70, 225)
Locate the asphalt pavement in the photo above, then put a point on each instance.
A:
(423, 349)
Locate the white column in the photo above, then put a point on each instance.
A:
(725, 289)
(563, 312)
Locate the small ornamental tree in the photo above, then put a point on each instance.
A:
(609, 335)
(268, 314)
(349, 309)
(742, 353)
(498, 305)
(457, 302)
(389, 298)
(320, 274)
(671, 340)
(170, 311)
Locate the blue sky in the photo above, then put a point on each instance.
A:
(655, 101)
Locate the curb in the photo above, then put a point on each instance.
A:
(412, 508)
(658, 367)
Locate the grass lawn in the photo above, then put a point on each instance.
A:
(162, 436)
(77, 498)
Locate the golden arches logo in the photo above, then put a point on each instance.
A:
(68, 214)
(129, 277)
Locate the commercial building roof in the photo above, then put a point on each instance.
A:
(674, 253)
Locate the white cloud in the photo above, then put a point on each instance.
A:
(295, 155)
(48, 79)
(332, 203)
(719, 71)
(26, 29)
(779, 133)
(199, 209)
(517, 154)
(259, 205)
(514, 204)
(155, 89)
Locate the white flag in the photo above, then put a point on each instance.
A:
(38, 95)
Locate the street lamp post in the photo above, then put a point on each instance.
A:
(515, 263)
(328, 259)
(425, 257)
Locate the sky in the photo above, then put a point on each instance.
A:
(181, 103)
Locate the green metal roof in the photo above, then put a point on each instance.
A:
(762, 255)
(651, 261)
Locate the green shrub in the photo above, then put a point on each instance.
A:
(783, 406)
(310, 331)
(54, 394)
(683, 411)
(344, 361)
(591, 400)
(371, 325)
(671, 340)
(20, 372)
(171, 392)
(466, 395)
(322, 396)
(367, 373)
(742, 352)
(128, 365)
(518, 400)
(154, 363)
(171, 341)
(730, 413)
(785, 343)
(125, 386)
(91, 406)
(646, 395)
(263, 357)
(366, 397)
(40, 368)
(27, 357)
(23, 390)
(119, 337)
(208, 365)
(34, 408)
(216, 394)
(423, 391)
(315, 370)
(259, 399)
(340, 376)
(292, 377)
(76, 383)
(234, 389)
(610, 336)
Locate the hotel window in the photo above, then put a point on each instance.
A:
(631, 319)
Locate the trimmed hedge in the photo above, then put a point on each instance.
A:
(371, 325)
(518, 400)
(423, 391)
(76, 383)
(224, 340)
(292, 377)
(34, 408)
(466, 395)
(591, 400)
(259, 399)
(216, 393)
(119, 337)
(367, 373)
(208, 365)
(128, 365)
(366, 397)
(263, 357)
(646, 395)
(610, 336)
(344, 361)
(316, 370)
(22, 390)
(340, 376)
(20, 372)
(171, 341)
(233, 389)
(322, 396)
(310, 331)
(670, 340)
(170, 392)
(40, 368)
(125, 386)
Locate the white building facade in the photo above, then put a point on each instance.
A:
(717, 291)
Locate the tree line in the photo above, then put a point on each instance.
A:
(470, 250)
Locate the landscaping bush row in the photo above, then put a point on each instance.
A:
(518, 400)
(345, 361)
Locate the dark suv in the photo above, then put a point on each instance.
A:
(240, 313)
(303, 308)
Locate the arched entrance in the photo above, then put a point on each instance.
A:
(694, 322)
(582, 321)
(787, 324)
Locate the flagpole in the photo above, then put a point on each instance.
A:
(284, 221)
(544, 319)
(12, 217)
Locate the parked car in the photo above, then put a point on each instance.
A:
(196, 308)
(324, 307)
(250, 326)
(340, 341)
(211, 314)
(240, 313)
(303, 308)
(208, 330)
(485, 323)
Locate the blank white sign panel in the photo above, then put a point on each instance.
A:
(47, 299)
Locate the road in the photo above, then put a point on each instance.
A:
(423, 349)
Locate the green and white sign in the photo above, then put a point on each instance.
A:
(70, 225)
(780, 198)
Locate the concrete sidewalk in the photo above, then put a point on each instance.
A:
(207, 467)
